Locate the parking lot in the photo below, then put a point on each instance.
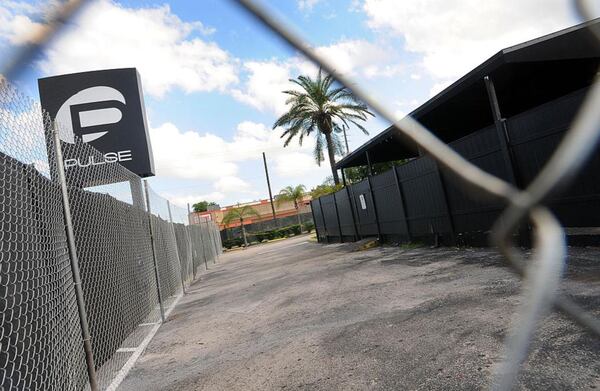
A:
(296, 314)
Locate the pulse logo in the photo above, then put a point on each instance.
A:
(90, 114)
(102, 110)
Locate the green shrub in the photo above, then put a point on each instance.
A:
(309, 226)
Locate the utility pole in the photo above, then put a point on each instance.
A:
(345, 139)
(269, 186)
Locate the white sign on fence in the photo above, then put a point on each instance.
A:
(363, 203)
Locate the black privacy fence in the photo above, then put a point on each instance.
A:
(418, 201)
(136, 253)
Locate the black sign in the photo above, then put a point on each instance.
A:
(104, 109)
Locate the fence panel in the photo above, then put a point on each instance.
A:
(40, 337)
(534, 136)
(471, 213)
(425, 204)
(345, 213)
(330, 215)
(365, 211)
(319, 220)
(390, 211)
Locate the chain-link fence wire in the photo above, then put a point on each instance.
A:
(167, 252)
(40, 337)
(180, 220)
(541, 273)
(114, 248)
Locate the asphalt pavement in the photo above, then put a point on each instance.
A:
(299, 315)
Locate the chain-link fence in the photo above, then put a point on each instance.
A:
(40, 344)
(543, 270)
(133, 265)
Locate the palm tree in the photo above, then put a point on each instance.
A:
(321, 108)
(295, 195)
(240, 213)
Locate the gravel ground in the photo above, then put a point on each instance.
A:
(300, 315)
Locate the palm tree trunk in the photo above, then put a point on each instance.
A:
(331, 153)
(244, 233)
(299, 219)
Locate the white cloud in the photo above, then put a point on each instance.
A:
(439, 87)
(166, 50)
(17, 22)
(228, 184)
(307, 5)
(191, 155)
(264, 85)
(266, 80)
(183, 199)
(295, 164)
(456, 35)
(361, 57)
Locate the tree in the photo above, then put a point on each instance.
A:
(359, 173)
(320, 108)
(202, 206)
(240, 213)
(327, 187)
(292, 194)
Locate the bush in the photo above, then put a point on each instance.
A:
(309, 226)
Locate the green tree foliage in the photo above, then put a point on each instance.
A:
(202, 206)
(320, 108)
(327, 187)
(239, 214)
(357, 174)
(292, 194)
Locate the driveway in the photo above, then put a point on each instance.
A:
(305, 316)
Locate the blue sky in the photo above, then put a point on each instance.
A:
(213, 78)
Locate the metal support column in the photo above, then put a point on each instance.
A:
(176, 247)
(379, 237)
(349, 195)
(446, 203)
(153, 243)
(83, 321)
(501, 131)
(403, 202)
(324, 221)
(354, 211)
(337, 215)
(312, 211)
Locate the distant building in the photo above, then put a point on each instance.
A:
(263, 207)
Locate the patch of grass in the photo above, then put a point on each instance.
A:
(410, 245)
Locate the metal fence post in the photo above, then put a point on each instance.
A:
(324, 221)
(176, 247)
(370, 174)
(203, 245)
(192, 247)
(446, 203)
(355, 212)
(83, 320)
(312, 211)
(500, 130)
(337, 215)
(403, 202)
(156, 273)
(352, 212)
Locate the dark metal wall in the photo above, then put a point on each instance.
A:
(418, 201)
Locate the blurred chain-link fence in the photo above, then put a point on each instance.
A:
(135, 251)
(134, 263)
